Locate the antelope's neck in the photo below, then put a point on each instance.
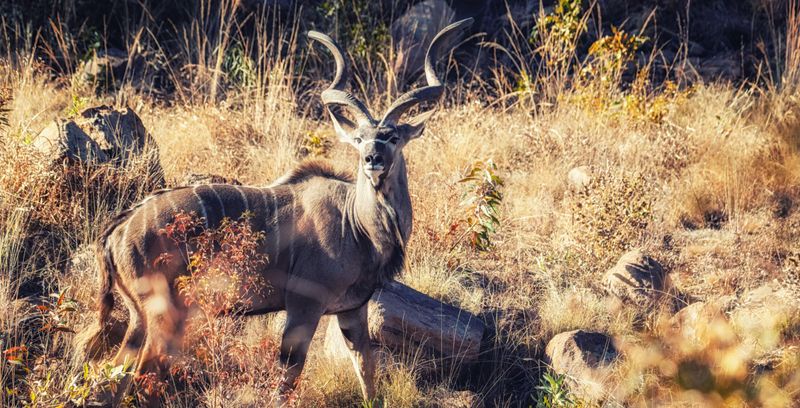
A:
(384, 214)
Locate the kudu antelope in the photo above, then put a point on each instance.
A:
(329, 241)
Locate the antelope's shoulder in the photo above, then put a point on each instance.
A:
(312, 169)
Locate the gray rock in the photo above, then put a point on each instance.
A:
(106, 64)
(99, 135)
(119, 133)
(637, 280)
(691, 322)
(457, 399)
(585, 358)
(83, 261)
(65, 140)
(142, 70)
(766, 316)
(413, 32)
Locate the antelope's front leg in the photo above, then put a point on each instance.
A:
(302, 317)
(356, 334)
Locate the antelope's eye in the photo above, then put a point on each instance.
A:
(394, 140)
(357, 140)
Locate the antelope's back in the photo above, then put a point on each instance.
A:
(141, 242)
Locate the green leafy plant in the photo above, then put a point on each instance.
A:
(362, 26)
(556, 34)
(599, 85)
(96, 377)
(77, 104)
(91, 42)
(481, 204)
(373, 403)
(239, 67)
(42, 382)
(554, 393)
(315, 144)
(610, 54)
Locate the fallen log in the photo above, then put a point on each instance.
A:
(402, 318)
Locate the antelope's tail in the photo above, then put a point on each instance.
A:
(93, 342)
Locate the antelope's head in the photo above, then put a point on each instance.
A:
(380, 142)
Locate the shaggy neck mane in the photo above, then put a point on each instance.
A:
(310, 169)
(381, 217)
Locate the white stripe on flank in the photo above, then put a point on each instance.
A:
(219, 200)
(159, 237)
(124, 239)
(171, 205)
(143, 209)
(202, 203)
(294, 225)
(276, 223)
(146, 202)
(244, 197)
(267, 223)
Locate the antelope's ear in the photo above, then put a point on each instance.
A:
(414, 127)
(344, 127)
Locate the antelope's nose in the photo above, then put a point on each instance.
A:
(374, 160)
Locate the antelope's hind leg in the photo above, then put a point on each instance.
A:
(166, 317)
(131, 348)
(356, 334)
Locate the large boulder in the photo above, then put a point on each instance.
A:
(413, 32)
(638, 281)
(766, 316)
(586, 359)
(119, 133)
(65, 140)
(100, 135)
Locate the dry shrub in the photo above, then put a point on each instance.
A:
(224, 273)
(224, 263)
(612, 213)
(729, 183)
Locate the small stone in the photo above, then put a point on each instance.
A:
(585, 358)
(459, 399)
(579, 178)
(692, 321)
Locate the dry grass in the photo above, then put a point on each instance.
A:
(711, 188)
